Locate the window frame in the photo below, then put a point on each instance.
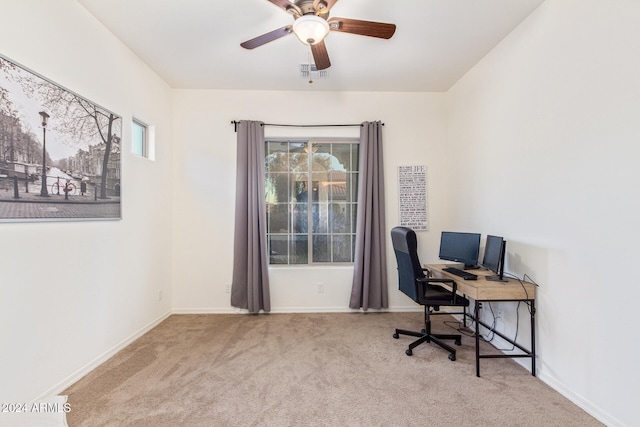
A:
(354, 173)
(145, 138)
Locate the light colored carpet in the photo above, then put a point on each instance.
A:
(309, 370)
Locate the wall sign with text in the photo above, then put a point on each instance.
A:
(412, 192)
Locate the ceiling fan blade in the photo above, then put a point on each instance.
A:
(267, 37)
(363, 28)
(288, 7)
(322, 7)
(320, 55)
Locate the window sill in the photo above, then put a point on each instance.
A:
(334, 266)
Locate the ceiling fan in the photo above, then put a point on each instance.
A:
(311, 26)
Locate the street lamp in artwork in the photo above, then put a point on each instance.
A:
(43, 189)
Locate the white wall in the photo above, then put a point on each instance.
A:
(72, 292)
(548, 132)
(204, 189)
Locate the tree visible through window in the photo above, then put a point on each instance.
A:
(311, 197)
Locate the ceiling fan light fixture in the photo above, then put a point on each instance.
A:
(311, 29)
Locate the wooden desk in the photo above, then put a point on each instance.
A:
(482, 290)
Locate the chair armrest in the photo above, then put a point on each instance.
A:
(436, 280)
(450, 282)
(428, 279)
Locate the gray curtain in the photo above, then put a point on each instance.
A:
(250, 285)
(369, 289)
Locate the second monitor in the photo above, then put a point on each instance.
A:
(493, 260)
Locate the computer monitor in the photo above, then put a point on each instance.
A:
(460, 247)
(494, 251)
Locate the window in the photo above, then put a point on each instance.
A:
(311, 197)
(140, 138)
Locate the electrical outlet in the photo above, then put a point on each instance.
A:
(227, 288)
(320, 288)
(159, 294)
(499, 314)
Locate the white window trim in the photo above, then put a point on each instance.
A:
(312, 140)
(148, 145)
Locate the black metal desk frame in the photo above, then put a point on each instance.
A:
(474, 290)
(526, 353)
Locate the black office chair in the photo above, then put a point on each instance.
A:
(423, 289)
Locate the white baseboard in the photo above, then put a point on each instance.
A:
(221, 310)
(587, 406)
(289, 310)
(77, 375)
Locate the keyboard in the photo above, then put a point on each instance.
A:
(460, 273)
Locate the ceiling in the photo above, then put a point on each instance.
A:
(195, 44)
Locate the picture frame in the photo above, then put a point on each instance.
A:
(412, 197)
(60, 154)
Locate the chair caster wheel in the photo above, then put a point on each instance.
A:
(452, 357)
(457, 342)
(396, 336)
(409, 352)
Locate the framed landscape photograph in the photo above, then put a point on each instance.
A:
(59, 152)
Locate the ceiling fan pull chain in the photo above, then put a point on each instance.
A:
(309, 69)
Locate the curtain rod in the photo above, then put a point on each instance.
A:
(235, 125)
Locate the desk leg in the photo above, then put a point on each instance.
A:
(533, 337)
(477, 317)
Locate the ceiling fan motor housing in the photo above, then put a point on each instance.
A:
(307, 8)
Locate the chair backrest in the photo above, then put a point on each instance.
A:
(405, 246)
